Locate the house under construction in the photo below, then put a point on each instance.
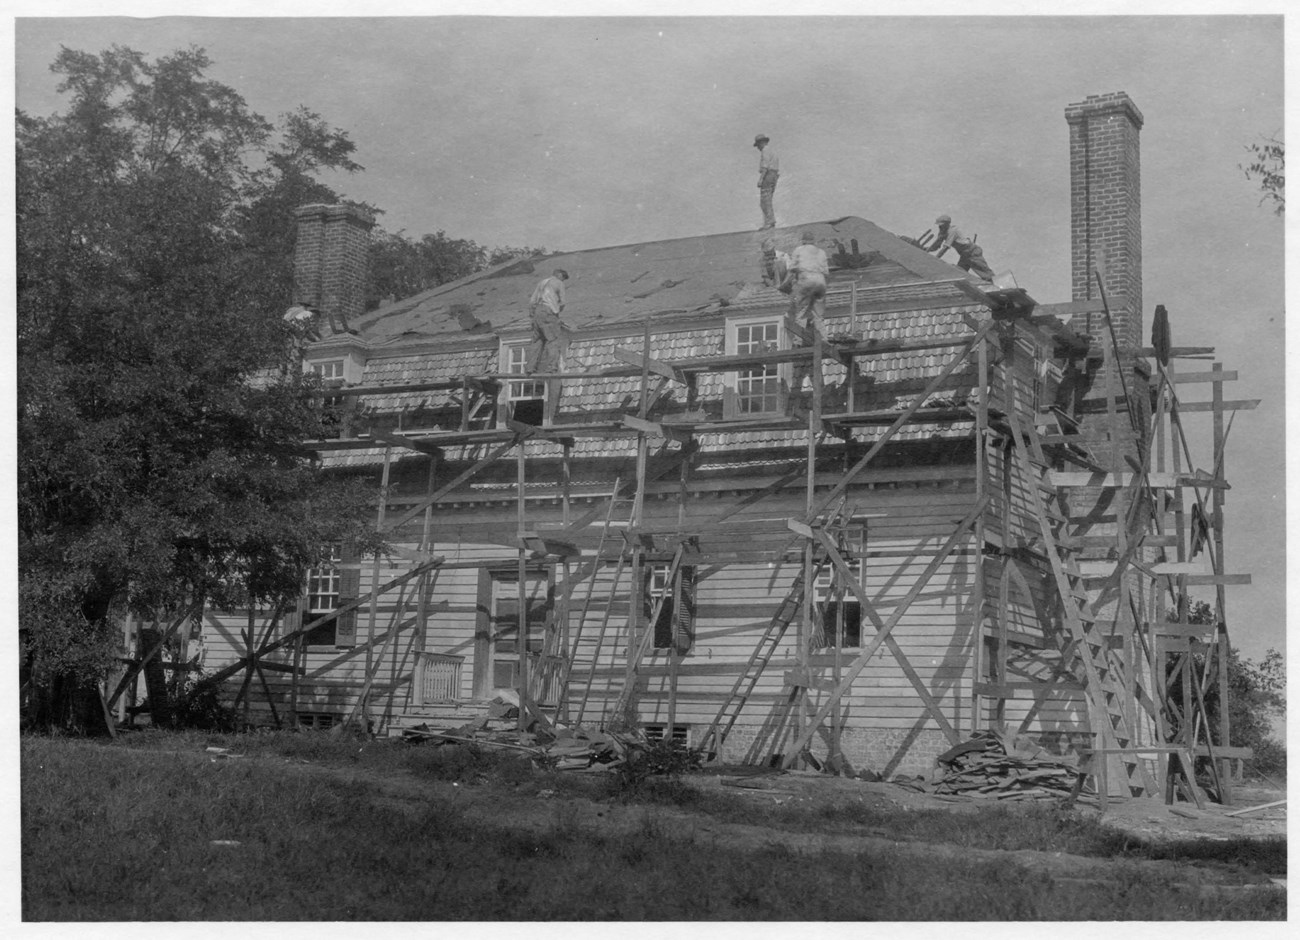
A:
(976, 511)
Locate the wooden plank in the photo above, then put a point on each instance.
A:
(398, 440)
(1249, 404)
(1191, 377)
(658, 367)
(1156, 480)
(1204, 580)
(655, 429)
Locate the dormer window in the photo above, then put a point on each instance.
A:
(524, 399)
(758, 390)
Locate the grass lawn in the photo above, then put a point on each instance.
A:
(134, 830)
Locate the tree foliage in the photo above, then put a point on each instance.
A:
(401, 266)
(1256, 695)
(156, 415)
(1268, 166)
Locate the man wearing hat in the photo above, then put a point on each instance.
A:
(549, 335)
(769, 168)
(970, 256)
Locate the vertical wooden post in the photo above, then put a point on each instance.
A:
(853, 310)
(426, 545)
(981, 489)
(522, 635)
(1217, 499)
(374, 594)
(566, 477)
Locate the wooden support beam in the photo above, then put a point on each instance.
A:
(656, 429)
(478, 465)
(657, 366)
(1193, 377)
(399, 440)
(1156, 480)
(1189, 407)
(883, 631)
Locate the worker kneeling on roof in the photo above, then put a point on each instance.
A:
(970, 256)
(809, 268)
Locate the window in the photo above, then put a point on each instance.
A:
(757, 390)
(673, 616)
(654, 733)
(837, 604)
(526, 397)
(331, 374)
(330, 585)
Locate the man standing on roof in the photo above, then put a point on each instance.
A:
(549, 335)
(769, 168)
(970, 256)
(809, 268)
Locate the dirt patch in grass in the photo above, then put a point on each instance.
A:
(310, 827)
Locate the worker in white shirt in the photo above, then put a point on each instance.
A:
(549, 334)
(769, 168)
(809, 268)
(970, 256)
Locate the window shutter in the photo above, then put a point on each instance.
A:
(684, 613)
(345, 628)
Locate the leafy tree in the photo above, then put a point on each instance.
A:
(156, 415)
(1256, 695)
(1268, 166)
(402, 267)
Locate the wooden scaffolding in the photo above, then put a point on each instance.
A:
(1111, 494)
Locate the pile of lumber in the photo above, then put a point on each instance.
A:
(994, 765)
(553, 745)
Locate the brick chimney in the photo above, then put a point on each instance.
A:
(1106, 213)
(330, 260)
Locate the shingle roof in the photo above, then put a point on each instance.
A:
(627, 283)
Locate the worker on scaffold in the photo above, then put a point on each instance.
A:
(549, 335)
(809, 268)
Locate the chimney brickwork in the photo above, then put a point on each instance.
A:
(330, 260)
(1106, 213)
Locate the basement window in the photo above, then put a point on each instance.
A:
(757, 390)
(330, 585)
(677, 612)
(681, 734)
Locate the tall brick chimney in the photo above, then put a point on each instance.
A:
(1106, 213)
(330, 259)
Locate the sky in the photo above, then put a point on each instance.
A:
(570, 132)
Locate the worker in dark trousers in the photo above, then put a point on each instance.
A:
(769, 168)
(549, 334)
(970, 256)
(809, 269)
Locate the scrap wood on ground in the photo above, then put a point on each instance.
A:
(1001, 766)
(558, 746)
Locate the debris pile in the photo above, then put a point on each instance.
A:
(998, 766)
(554, 745)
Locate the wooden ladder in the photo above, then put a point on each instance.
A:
(722, 723)
(1087, 646)
(618, 517)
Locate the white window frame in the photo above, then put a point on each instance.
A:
(739, 383)
(828, 581)
(513, 361)
(323, 582)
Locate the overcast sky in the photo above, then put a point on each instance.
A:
(570, 133)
